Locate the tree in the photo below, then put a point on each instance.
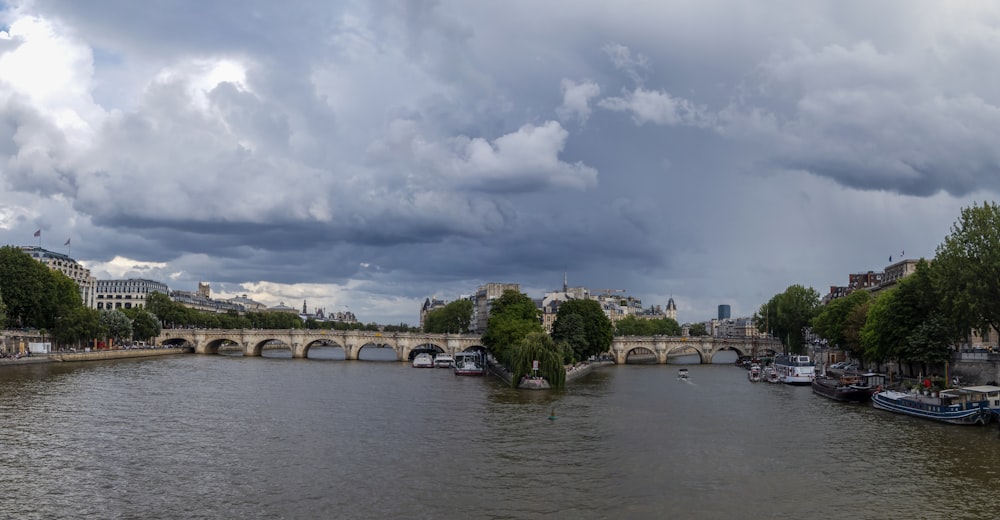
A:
(832, 322)
(598, 332)
(907, 323)
(697, 329)
(78, 327)
(454, 317)
(3, 314)
(537, 346)
(570, 333)
(117, 325)
(967, 270)
(512, 317)
(25, 284)
(786, 315)
(632, 326)
(853, 323)
(145, 325)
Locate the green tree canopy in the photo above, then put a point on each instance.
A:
(907, 323)
(967, 270)
(697, 329)
(512, 317)
(145, 325)
(79, 327)
(598, 332)
(453, 318)
(536, 346)
(632, 326)
(3, 313)
(34, 294)
(786, 315)
(834, 322)
(117, 325)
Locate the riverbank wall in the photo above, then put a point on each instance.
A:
(94, 355)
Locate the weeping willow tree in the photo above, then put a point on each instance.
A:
(537, 346)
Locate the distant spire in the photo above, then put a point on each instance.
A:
(565, 282)
(304, 307)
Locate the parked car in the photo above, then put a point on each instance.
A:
(838, 365)
(849, 367)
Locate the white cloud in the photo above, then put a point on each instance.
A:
(657, 107)
(576, 100)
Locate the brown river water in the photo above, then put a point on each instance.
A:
(194, 436)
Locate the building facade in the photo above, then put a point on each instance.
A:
(126, 294)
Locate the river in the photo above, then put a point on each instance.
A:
(193, 436)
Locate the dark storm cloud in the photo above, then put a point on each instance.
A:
(419, 148)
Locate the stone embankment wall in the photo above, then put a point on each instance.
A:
(96, 355)
(975, 372)
(99, 355)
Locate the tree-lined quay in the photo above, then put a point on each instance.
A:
(915, 325)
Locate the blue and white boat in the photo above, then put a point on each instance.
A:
(969, 405)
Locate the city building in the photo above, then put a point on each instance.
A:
(247, 304)
(724, 311)
(281, 307)
(482, 301)
(202, 300)
(69, 267)
(873, 281)
(126, 294)
(671, 311)
(429, 305)
(549, 304)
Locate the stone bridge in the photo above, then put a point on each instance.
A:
(252, 341)
(706, 347)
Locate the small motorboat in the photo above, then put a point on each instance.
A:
(682, 373)
(444, 360)
(423, 360)
(754, 373)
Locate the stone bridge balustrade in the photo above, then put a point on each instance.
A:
(705, 346)
(252, 341)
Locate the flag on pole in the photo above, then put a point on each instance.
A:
(67, 242)
(38, 233)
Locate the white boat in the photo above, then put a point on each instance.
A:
(795, 369)
(444, 360)
(682, 373)
(754, 373)
(469, 364)
(769, 374)
(423, 360)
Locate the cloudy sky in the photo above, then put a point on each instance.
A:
(367, 155)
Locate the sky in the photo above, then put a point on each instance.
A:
(367, 155)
